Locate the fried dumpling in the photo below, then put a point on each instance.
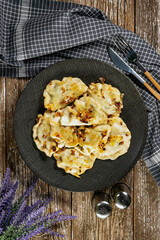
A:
(85, 111)
(107, 96)
(53, 117)
(59, 94)
(61, 134)
(89, 138)
(65, 134)
(118, 141)
(73, 162)
(41, 136)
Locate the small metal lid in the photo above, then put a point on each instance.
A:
(122, 200)
(101, 204)
(103, 209)
(120, 193)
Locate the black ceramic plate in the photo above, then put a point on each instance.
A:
(103, 173)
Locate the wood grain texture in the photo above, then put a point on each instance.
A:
(62, 200)
(147, 21)
(19, 170)
(146, 204)
(141, 220)
(2, 127)
(147, 193)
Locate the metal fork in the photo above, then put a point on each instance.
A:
(132, 57)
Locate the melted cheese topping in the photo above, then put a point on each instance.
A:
(118, 141)
(53, 117)
(41, 136)
(85, 111)
(90, 137)
(107, 96)
(73, 162)
(58, 94)
(65, 135)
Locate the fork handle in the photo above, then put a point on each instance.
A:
(152, 91)
(145, 84)
(148, 75)
(152, 80)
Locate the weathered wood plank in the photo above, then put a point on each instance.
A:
(62, 200)
(121, 13)
(118, 226)
(19, 170)
(146, 204)
(147, 193)
(2, 126)
(86, 224)
(113, 11)
(148, 21)
(10, 92)
(121, 222)
(13, 159)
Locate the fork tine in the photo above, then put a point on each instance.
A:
(123, 41)
(120, 47)
(121, 44)
(126, 44)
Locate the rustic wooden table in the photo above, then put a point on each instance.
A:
(141, 221)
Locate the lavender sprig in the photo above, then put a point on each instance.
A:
(32, 233)
(5, 182)
(19, 212)
(8, 198)
(1, 229)
(2, 216)
(28, 210)
(29, 190)
(19, 221)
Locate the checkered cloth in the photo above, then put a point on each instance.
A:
(37, 33)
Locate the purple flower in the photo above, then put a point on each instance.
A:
(28, 210)
(32, 233)
(45, 203)
(29, 190)
(2, 216)
(19, 212)
(8, 198)
(56, 213)
(6, 178)
(32, 217)
(21, 222)
(5, 183)
(53, 233)
(1, 229)
(36, 213)
(6, 219)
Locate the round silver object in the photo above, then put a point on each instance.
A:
(120, 193)
(103, 209)
(101, 204)
(122, 200)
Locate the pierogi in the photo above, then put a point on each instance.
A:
(58, 94)
(81, 124)
(107, 96)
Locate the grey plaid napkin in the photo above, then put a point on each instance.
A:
(37, 33)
